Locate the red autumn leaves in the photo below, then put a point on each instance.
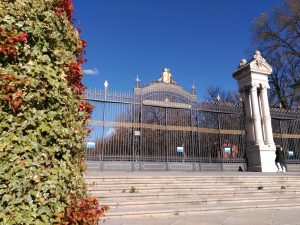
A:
(84, 211)
(64, 6)
(11, 89)
(8, 43)
(10, 49)
(74, 77)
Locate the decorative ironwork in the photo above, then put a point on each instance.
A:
(286, 127)
(150, 124)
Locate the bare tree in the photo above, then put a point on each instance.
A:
(277, 36)
(212, 93)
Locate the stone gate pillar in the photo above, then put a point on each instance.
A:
(253, 83)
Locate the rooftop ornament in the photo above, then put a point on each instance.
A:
(166, 77)
(259, 59)
(243, 62)
(137, 82)
(105, 84)
(193, 89)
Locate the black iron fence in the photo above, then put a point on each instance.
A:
(164, 126)
(286, 132)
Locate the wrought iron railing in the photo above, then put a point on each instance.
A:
(163, 127)
(286, 132)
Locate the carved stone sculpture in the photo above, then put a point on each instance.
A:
(166, 76)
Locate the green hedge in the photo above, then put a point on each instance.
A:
(42, 115)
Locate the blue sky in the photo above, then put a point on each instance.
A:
(201, 41)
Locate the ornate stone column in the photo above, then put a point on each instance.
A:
(256, 114)
(266, 116)
(253, 76)
(249, 126)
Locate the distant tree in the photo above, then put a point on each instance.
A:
(277, 36)
(212, 93)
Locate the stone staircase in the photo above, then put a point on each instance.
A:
(165, 194)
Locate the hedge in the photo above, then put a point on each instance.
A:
(43, 116)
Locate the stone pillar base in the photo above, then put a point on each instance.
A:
(261, 158)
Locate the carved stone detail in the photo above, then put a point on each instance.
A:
(166, 77)
(259, 59)
(254, 86)
(264, 86)
(166, 84)
(242, 63)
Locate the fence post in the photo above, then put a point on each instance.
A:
(103, 117)
(219, 128)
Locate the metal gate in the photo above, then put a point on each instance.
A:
(163, 127)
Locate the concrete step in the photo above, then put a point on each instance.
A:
(204, 183)
(190, 193)
(106, 186)
(189, 188)
(198, 181)
(175, 195)
(172, 174)
(151, 179)
(197, 209)
(198, 200)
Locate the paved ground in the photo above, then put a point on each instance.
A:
(265, 217)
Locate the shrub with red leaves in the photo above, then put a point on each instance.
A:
(64, 6)
(8, 43)
(42, 125)
(11, 86)
(86, 107)
(74, 74)
(84, 212)
(74, 71)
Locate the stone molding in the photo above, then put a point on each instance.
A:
(257, 64)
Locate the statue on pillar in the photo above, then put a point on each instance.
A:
(259, 59)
